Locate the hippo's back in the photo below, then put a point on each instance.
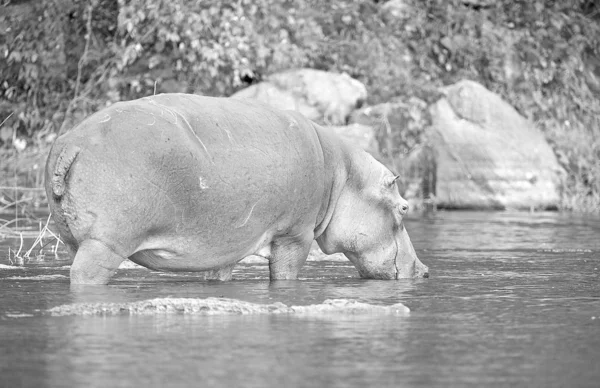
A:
(182, 167)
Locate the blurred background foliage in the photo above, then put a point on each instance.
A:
(63, 59)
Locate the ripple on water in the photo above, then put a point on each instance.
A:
(38, 277)
(225, 306)
(18, 315)
(4, 266)
(10, 267)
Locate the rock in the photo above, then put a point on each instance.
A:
(398, 132)
(399, 126)
(487, 156)
(322, 96)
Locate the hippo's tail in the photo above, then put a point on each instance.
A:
(57, 173)
(61, 169)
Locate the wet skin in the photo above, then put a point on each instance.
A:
(180, 182)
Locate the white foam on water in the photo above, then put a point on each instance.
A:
(254, 260)
(38, 277)
(315, 255)
(247, 267)
(128, 264)
(320, 256)
(225, 306)
(351, 307)
(18, 315)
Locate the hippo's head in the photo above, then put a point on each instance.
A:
(367, 226)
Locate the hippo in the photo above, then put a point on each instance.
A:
(179, 182)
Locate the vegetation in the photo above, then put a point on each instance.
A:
(63, 59)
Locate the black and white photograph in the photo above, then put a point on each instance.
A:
(299, 193)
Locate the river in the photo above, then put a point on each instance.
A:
(513, 299)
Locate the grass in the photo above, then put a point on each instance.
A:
(23, 206)
(43, 238)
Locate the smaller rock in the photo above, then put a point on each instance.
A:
(324, 97)
(360, 135)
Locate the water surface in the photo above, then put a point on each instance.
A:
(513, 300)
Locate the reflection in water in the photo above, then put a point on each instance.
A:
(513, 299)
(80, 293)
(229, 351)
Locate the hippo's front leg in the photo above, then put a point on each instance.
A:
(287, 257)
(94, 263)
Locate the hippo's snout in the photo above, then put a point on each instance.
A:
(421, 270)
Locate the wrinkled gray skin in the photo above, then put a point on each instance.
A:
(180, 182)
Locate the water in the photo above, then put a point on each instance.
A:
(513, 300)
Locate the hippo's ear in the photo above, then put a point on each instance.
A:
(389, 181)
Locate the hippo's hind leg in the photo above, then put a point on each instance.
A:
(94, 263)
(288, 256)
(223, 273)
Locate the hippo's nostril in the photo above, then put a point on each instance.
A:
(426, 275)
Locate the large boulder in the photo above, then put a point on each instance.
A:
(322, 96)
(487, 155)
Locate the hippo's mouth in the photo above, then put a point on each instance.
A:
(397, 271)
(401, 254)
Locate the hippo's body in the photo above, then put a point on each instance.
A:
(188, 183)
